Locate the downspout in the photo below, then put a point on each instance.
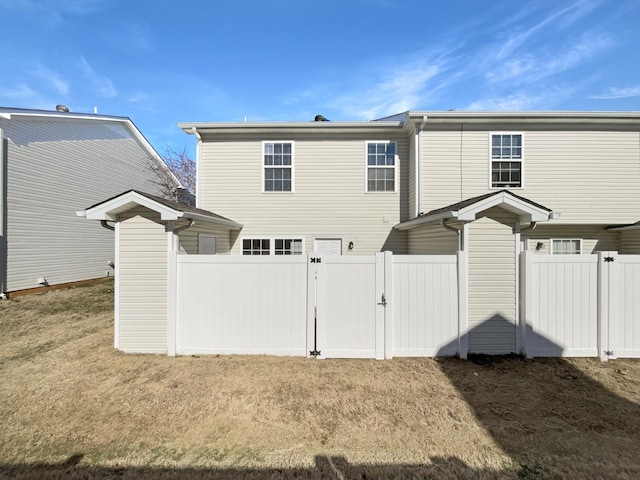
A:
(418, 164)
(176, 231)
(531, 226)
(194, 130)
(444, 224)
(106, 225)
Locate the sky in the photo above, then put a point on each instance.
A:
(162, 62)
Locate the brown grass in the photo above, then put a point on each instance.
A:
(72, 406)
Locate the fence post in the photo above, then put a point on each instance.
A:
(463, 304)
(388, 313)
(381, 304)
(172, 292)
(526, 302)
(603, 306)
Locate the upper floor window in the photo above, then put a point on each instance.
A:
(381, 167)
(506, 160)
(278, 166)
(566, 246)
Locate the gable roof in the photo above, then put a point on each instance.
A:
(9, 113)
(168, 209)
(467, 210)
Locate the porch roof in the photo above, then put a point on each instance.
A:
(168, 209)
(467, 210)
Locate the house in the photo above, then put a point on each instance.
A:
(52, 164)
(489, 184)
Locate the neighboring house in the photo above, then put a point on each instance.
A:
(52, 164)
(489, 183)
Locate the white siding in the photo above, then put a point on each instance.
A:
(595, 238)
(189, 237)
(329, 200)
(142, 281)
(432, 239)
(492, 285)
(56, 167)
(630, 242)
(588, 175)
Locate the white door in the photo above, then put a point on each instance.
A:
(327, 246)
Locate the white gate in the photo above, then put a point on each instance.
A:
(624, 306)
(348, 303)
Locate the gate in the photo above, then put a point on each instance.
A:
(346, 294)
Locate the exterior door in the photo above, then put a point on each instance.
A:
(327, 246)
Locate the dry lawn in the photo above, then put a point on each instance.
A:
(73, 407)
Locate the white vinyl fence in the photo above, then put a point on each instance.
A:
(580, 306)
(374, 306)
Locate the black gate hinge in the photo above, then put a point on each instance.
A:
(609, 259)
(315, 353)
(316, 260)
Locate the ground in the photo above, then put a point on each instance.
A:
(73, 407)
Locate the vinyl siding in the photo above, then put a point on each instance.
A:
(189, 238)
(588, 175)
(594, 238)
(142, 281)
(492, 286)
(329, 200)
(56, 167)
(432, 239)
(630, 242)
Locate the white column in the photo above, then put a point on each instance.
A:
(463, 304)
(172, 287)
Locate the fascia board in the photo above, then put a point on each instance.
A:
(218, 221)
(426, 219)
(524, 209)
(290, 127)
(110, 209)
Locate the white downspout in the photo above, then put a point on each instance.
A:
(194, 130)
(418, 165)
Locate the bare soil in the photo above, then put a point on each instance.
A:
(73, 407)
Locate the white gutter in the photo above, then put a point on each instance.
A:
(426, 219)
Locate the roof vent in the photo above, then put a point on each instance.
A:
(62, 108)
(320, 118)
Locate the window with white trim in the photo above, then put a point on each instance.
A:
(566, 246)
(272, 246)
(277, 159)
(506, 160)
(381, 166)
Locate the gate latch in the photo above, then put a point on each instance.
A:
(383, 302)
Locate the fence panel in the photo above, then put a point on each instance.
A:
(248, 305)
(624, 336)
(425, 305)
(562, 306)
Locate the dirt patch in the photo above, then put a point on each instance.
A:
(72, 406)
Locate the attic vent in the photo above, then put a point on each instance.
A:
(321, 118)
(62, 108)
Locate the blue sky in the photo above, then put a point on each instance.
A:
(165, 62)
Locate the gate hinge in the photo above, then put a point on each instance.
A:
(316, 260)
(609, 259)
(314, 353)
(609, 353)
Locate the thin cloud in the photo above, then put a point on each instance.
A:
(101, 84)
(20, 92)
(614, 92)
(60, 84)
(516, 101)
